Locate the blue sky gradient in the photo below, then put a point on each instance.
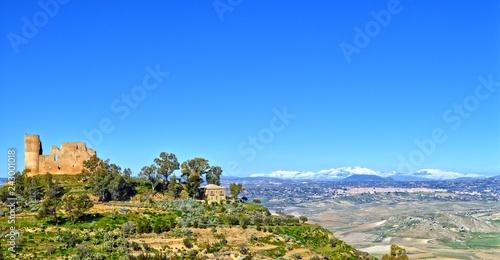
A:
(233, 70)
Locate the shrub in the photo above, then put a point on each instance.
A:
(69, 238)
(83, 252)
(232, 220)
(244, 222)
(85, 237)
(191, 254)
(143, 226)
(243, 249)
(135, 246)
(187, 242)
(188, 233)
(145, 246)
(157, 228)
(333, 242)
(108, 246)
(128, 228)
(49, 249)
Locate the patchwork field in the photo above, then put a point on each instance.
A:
(427, 229)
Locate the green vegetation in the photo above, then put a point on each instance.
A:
(235, 189)
(76, 205)
(397, 253)
(478, 241)
(104, 213)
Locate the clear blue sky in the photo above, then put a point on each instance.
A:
(65, 69)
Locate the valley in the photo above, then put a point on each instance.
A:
(432, 220)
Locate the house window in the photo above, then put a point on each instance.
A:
(56, 157)
(77, 146)
(221, 193)
(211, 193)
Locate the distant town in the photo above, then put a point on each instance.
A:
(276, 193)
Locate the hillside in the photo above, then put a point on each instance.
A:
(161, 227)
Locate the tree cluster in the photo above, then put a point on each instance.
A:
(160, 175)
(108, 181)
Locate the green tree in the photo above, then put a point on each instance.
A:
(213, 175)
(127, 173)
(303, 219)
(194, 167)
(193, 171)
(51, 201)
(174, 188)
(91, 165)
(20, 182)
(121, 188)
(166, 164)
(397, 253)
(34, 188)
(108, 182)
(193, 185)
(150, 174)
(235, 189)
(4, 195)
(76, 205)
(100, 182)
(48, 209)
(47, 180)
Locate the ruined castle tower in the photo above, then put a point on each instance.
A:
(67, 160)
(32, 150)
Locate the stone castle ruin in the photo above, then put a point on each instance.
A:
(67, 160)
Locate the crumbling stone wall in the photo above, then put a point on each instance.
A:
(67, 160)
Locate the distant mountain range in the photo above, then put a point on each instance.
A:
(357, 173)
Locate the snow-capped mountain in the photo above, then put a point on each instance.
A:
(346, 172)
(333, 173)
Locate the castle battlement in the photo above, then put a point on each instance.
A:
(67, 160)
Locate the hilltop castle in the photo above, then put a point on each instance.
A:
(67, 160)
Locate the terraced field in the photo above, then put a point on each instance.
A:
(444, 230)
